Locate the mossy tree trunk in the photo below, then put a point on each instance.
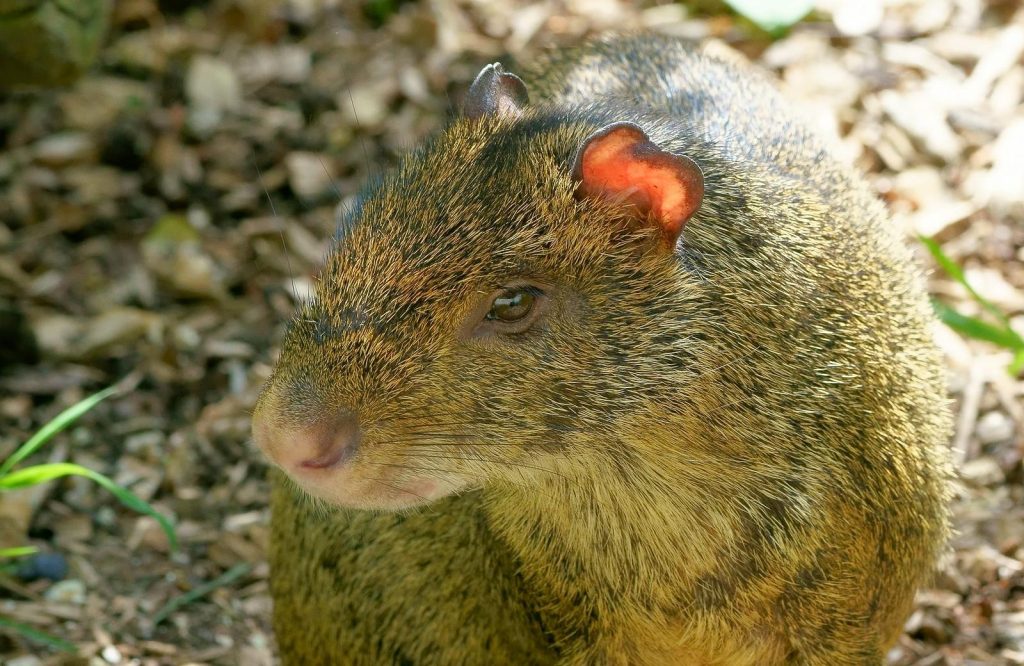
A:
(49, 42)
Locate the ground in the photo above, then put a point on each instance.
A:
(159, 217)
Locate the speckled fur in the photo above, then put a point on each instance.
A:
(734, 454)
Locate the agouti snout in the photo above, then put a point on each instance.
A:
(626, 370)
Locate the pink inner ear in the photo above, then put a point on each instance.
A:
(621, 162)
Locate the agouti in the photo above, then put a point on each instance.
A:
(621, 367)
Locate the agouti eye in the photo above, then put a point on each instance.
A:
(512, 305)
(501, 315)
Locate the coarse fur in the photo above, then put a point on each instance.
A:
(729, 454)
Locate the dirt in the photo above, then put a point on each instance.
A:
(160, 218)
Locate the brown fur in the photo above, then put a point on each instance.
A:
(732, 454)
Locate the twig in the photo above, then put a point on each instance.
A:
(225, 578)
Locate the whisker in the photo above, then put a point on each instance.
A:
(280, 229)
(359, 128)
(330, 179)
(473, 456)
(394, 487)
(413, 467)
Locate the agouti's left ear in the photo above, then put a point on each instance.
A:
(621, 162)
(495, 92)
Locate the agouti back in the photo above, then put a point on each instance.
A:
(621, 367)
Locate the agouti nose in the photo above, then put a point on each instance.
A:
(321, 446)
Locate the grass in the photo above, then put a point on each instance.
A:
(12, 478)
(996, 330)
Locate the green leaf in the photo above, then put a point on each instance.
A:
(954, 271)
(225, 578)
(978, 329)
(59, 423)
(772, 15)
(36, 474)
(18, 551)
(38, 636)
(1017, 366)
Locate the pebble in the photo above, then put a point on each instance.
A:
(58, 150)
(366, 104)
(984, 471)
(309, 174)
(994, 427)
(213, 89)
(854, 19)
(1005, 182)
(95, 103)
(70, 591)
(94, 185)
(286, 64)
(174, 254)
(111, 655)
(51, 566)
(922, 114)
(117, 326)
(1009, 628)
(26, 660)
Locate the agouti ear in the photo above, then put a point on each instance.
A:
(621, 162)
(495, 92)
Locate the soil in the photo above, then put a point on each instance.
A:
(160, 217)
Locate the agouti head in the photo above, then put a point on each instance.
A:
(510, 292)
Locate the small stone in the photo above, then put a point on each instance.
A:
(111, 655)
(117, 326)
(70, 591)
(65, 148)
(923, 115)
(256, 656)
(994, 427)
(289, 64)
(51, 566)
(1009, 628)
(213, 89)
(94, 185)
(309, 174)
(854, 19)
(96, 102)
(27, 660)
(75, 528)
(366, 104)
(145, 445)
(1005, 184)
(173, 252)
(984, 471)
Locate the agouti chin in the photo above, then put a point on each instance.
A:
(621, 367)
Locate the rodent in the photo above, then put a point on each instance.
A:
(620, 367)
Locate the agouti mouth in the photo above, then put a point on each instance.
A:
(327, 460)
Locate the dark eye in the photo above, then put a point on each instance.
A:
(513, 305)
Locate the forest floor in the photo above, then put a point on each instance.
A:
(146, 210)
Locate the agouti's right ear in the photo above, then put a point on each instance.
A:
(620, 162)
(495, 92)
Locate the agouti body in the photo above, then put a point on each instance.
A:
(633, 373)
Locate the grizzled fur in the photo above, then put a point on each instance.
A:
(732, 454)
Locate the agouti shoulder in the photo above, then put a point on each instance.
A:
(621, 367)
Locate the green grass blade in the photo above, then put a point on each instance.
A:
(773, 16)
(225, 578)
(978, 329)
(59, 423)
(954, 271)
(38, 636)
(1017, 366)
(18, 551)
(36, 474)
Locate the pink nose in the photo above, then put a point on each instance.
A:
(321, 446)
